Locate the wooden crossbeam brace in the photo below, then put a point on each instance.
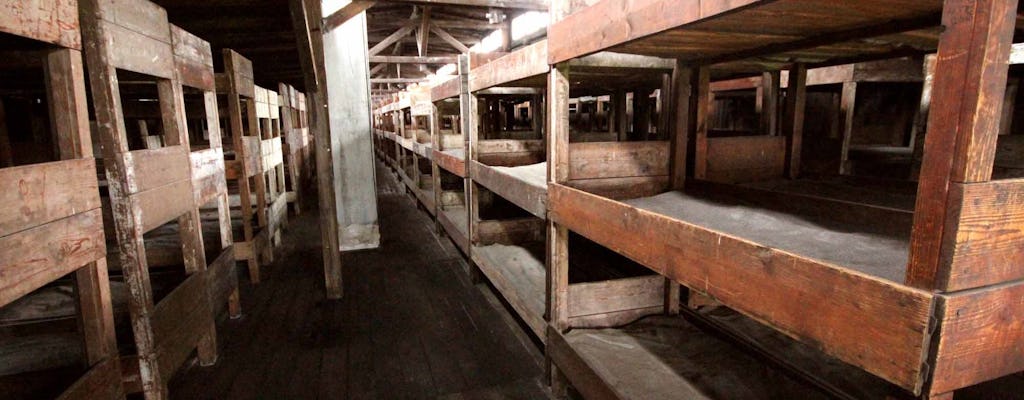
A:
(448, 38)
(345, 13)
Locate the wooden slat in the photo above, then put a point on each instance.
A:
(450, 163)
(986, 243)
(508, 232)
(623, 188)
(34, 257)
(447, 89)
(193, 60)
(149, 169)
(981, 336)
(490, 146)
(612, 22)
(179, 320)
(253, 155)
(163, 204)
(618, 159)
(456, 233)
(139, 52)
(874, 324)
(272, 153)
(222, 279)
(581, 375)
(528, 197)
(523, 63)
(48, 21)
(208, 177)
(616, 295)
(41, 193)
(101, 382)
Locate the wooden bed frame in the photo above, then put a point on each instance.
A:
(36, 235)
(193, 62)
(236, 83)
(268, 113)
(449, 156)
(936, 331)
(295, 127)
(149, 188)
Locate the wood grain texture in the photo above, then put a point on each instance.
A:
(527, 196)
(42, 193)
(856, 317)
(523, 63)
(745, 158)
(984, 242)
(617, 159)
(48, 21)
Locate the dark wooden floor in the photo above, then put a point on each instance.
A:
(410, 325)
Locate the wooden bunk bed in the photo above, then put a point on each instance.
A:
(193, 61)
(268, 113)
(914, 297)
(508, 196)
(149, 189)
(244, 163)
(295, 127)
(449, 156)
(52, 226)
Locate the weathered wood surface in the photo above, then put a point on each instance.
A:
(53, 22)
(985, 242)
(617, 295)
(102, 381)
(525, 194)
(179, 321)
(208, 175)
(519, 277)
(861, 324)
(193, 60)
(745, 158)
(451, 162)
(520, 64)
(980, 336)
(445, 90)
(42, 193)
(617, 159)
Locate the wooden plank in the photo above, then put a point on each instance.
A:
(966, 102)
(42, 193)
(874, 324)
(138, 52)
(253, 155)
(523, 63)
(984, 243)
(618, 159)
(208, 176)
(490, 146)
(613, 22)
(193, 60)
(793, 119)
(53, 22)
(579, 373)
(605, 297)
(703, 99)
(745, 158)
(149, 169)
(682, 87)
(102, 381)
(450, 163)
(623, 188)
(448, 89)
(521, 193)
(508, 232)
(163, 204)
(179, 321)
(345, 13)
(39, 255)
(979, 336)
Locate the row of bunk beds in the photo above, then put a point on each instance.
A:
(663, 202)
(123, 232)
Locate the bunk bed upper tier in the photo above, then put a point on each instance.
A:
(525, 186)
(721, 31)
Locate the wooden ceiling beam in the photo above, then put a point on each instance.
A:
(423, 33)
(345, 13)
(397, 80)
(414, 59)
(540, 5)
(445, 36)
(393, 38)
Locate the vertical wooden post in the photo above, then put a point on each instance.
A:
(920, 125)
(847, 100)
(970, 82)
(557, 244)
(682, 79)
(703, 109)
(793, 120)
(619, 111)
(769, 100)
(664, 105)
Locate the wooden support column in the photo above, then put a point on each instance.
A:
(468, 117)
(664, 105)
(682, 79)
(847, 100)
(348, 101)
(309, 41)
(641, 114)
(793, 120)
(969, 85)
(702, 89)
(557, 244)
(619, 110)
(769, 102)
(537, 114)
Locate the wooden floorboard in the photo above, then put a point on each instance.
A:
(410, 325)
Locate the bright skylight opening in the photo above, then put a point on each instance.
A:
(328, 7)
(490, 43)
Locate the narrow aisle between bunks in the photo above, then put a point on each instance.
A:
(420, 330)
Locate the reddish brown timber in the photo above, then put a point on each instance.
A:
(47, 192)
(53, 22)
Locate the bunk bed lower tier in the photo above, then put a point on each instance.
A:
(663, 357)
(525, 186)
(823, 280)
(517, 272)
(455, 221)
(453, 161)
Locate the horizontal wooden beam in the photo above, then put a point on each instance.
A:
(398, 80)
(414, 59)
(345, 13)
(516, 4)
